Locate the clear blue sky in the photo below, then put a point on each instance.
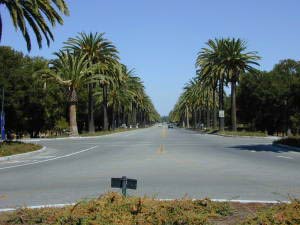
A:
(160, 38)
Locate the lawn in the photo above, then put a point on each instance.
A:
(244, 133)
(12, 148)
(114, 209)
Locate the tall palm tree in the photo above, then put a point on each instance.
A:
(209, 61)
(99, 50)
(37, 14)
(236, 61)
(70, 71)
(106, 76)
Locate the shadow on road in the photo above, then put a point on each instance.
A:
(261, 148)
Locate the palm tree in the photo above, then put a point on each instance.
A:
(70, 71)
(98, 50)
(36, 14)
(236, 61)
(209, 63)
(106, 76)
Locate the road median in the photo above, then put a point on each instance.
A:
(113, 208)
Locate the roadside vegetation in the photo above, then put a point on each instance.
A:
(113, 208)
(243, 133)
(13, 148)
(290, 141)
(260, 101)
(52, 98)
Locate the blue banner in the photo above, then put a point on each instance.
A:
(2, 124)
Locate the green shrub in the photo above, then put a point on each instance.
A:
(291, 141)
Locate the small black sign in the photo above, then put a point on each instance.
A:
(128, 183)
(131, 183)
(116, 182)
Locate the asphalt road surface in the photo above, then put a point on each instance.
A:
(168, 163)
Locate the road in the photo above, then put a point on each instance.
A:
(168, 163)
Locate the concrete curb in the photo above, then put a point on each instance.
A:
(6, 158)
(237, 136)
(78, 137)
(296, 149)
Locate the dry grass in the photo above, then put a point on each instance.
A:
(113, 209)
(12, 148)
(281, 214)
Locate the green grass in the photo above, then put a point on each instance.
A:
(12, 148)
(290, 141)
(244, 133)
(114, 209)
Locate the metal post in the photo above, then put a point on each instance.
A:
(124, 184)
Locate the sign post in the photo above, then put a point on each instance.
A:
(123, 183)
(221, 114)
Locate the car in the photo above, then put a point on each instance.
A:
(170, 126)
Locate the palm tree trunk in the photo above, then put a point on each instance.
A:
(233, 106)
(104, 105)
(123, 115)
(215, 123)
(134, 109)
(195, 118)
(72, 98)
(187, 118)
(73, 120)
(118, 115)
(113, 116)
(221, 103)
(91, 122)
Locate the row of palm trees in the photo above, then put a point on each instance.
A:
(92, 61)
(219, 64)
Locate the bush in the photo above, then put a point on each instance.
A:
(291, 141)
(282, 214)
(114, 209)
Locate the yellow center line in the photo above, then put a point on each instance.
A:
(160, 150)
(164, 133)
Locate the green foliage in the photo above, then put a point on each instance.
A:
(28, 107)
(34, 103)
(295, 122)
(244, 133)
(269, 101)
(61, 125)
(38, 15)
(291, 141)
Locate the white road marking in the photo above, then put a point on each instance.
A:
(51, 159)
(162, 199)
(285, 157)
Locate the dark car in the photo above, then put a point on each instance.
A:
(170, 126)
